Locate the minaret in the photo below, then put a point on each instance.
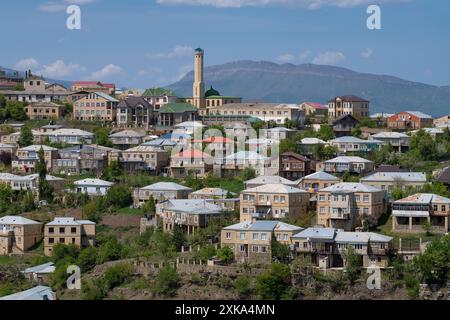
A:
(198, 94)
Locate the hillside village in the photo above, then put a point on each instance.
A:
(210, 196)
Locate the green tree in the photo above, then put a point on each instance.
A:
(353, 263)
(102, 137)
(45, 190)
(117, 275)
(167, 282)
(280, 252)
(325, 132)
(26, 137)
(119, 196)
(275, 283)
(149, 206)
(87, 259)
(112, 171)
(178, 237)
(243, 286)
(225, 254)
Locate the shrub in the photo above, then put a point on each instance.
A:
(225, 254)
(273, 284)
(117, 275)
(167, 282)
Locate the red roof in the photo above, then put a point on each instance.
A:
(193, 153)
(316, 105)
(109, 85)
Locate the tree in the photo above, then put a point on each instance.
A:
(117, 275)
(356, 132)
(243, 286)
(15, 110)
(26, 137)
(353, 262)
(112, 171)
(87, 259)
(167, 282)
(275, 283)
(119, 196)
(149, 207)
(225, 254)
(178, 237)
(94, 209)
(280, 252)
(325, 132)
(102, 137)
(45, 190)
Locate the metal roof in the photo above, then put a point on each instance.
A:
(350, 187)
(270, 180)
(165, 186)
(347, 159)
(326, 234)
(395, 176)
(275, 188)
(16, 220)
(93, 182)
(320, 175)
(193, 206)
(36, 293)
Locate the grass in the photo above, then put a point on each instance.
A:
(130, 211)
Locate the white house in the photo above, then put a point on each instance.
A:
(93, 187)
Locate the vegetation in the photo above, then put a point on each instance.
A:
(275, 283)
(26, 137)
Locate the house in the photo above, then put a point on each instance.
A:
(434, 132)
(18, 234)
(442, 122)
(343, 125)
(69, 136)
(30, 182)
(444, 176)
(7, 149)
(250, 159)
(348, 105)
(251, 242)
(412, 213)
(45, 110)
(273, 201)
(84, 158)
(410, 120)
(263, 180)
(313, 108)
(308, 145)
(50, 128)
(350, 205)
(92, 187)
(160, 191)
(294, 166)
(398, 140)
(67, 230)
(388, 181)
(158, 97)
(26, 158)
(36, 293)
(126, 139)
(39, 272)
(212, 98)
(14, 137)
(318, 180)
(135, 112)
(189, 214)
(96, 106)
(172, 114)
(211, 193)
(94, 86)
(353, 144)
(238, 129)
(277, 133)
(326, 247)
(275, 112)
(190, 161)
(144, 158)
(164, 144)
(188, 127)
(350, 164)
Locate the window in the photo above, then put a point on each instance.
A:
(263, 236)
(62, 230)
(366, 198)
(51, 240)
(242, 235)
(61, 240)
(255, 249)
(242, 248)
(322, 197)
(255, 236)
(73, 230)
(51, 230)
(263, 249)
(73, 240)
(228, 235)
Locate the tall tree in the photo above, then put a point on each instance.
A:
(44, 188)
(26, 137)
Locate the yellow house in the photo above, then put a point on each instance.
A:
(95, 106)
(18, 234)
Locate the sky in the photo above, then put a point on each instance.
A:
(146, 43)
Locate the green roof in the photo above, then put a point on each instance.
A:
(177, 108)
(212, 92)
(222, 97)
(158, 92)
(199, 50)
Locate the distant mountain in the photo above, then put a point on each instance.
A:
(65, 83)
(271, 82)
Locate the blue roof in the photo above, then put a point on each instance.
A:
(106, 96)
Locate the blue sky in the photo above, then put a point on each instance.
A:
(144, 43)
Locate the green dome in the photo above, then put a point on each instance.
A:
(211, 92)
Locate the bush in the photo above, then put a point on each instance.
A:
(225, 254)
(273, 284)
(167, 282)
(119, 196)
(87, 259)
(92, 290)
(117, 275)
(110, 250)
(243, 286)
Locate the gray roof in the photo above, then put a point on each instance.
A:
(321, 175)
(36, 293)
(17, 220)
(351, 139)
(271, 180)
(37, 148)
(126, 134)
(106, 96)
(396, 176)
(193, 206)
(424, 198)
(348, 159)
(360, 237)
(93, 182)
(350, 187)
(165, 186)
(275, 188)
(48, 267)
(160, 143)
(263, 225)
(420, 114)
(325, 234)
(69, 221)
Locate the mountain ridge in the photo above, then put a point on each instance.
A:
(290, 83)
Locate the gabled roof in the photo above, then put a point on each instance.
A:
(392, 135)
(396, 176)
(126, 134)
(17, 220)
(246, 155)
(106, 97)
(48, 267)
(420, 114)
(312, 141)
(160, 143)
(133, 101)
(347, 159)
(360, 237)
(194, 206)
(424, 198)
(69, 132)
(36, 293)
(351, 139)
(263, 225)
(275, 188)
(215, 192)
(69, 221)
(348, 98)
(323, 234)
(350, 187)
(165, 186)
(321, 175)
(158, 92)
(270, 180)
(93, 182)
(37, 148)
(192, 154)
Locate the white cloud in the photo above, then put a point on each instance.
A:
(26, 64)
(329, 58)
(106, 72)
(367, 53)
(79, 2)
(60, 69)
(286, 58)
(177, 52)
(303, 56)
(310, 4)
